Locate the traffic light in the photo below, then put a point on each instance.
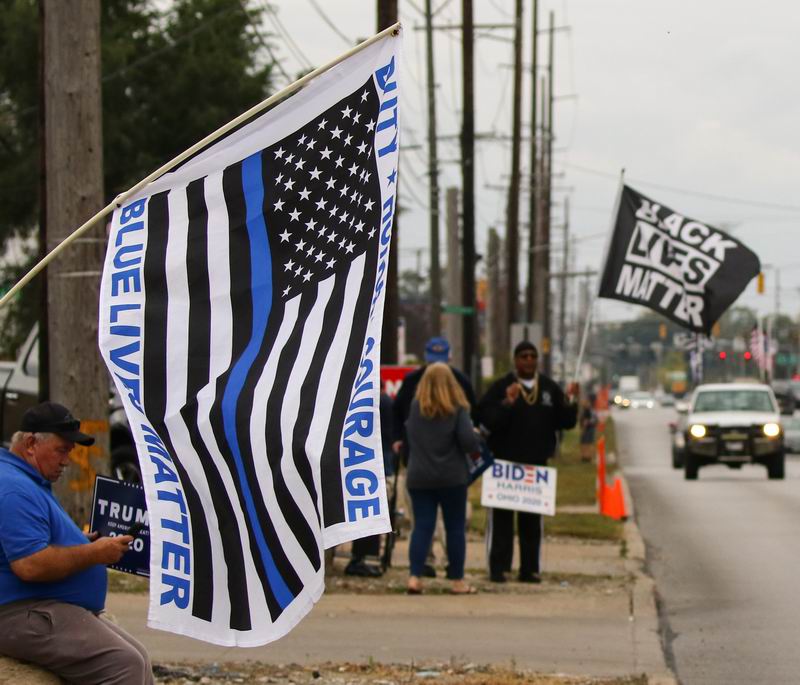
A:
(760, 284)
(723, 355)
(662, 331)
(747, 356)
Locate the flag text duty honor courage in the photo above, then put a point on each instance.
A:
(240, 317)
(684, 269)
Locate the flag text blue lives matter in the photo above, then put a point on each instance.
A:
(126, 279)
(241, 314)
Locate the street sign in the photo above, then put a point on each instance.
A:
(458, 309)
(690, 341)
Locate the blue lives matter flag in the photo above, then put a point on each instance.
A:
(240, 317)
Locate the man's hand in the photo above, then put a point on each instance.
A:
(397, 446)
(110, 550)
(572, 391)
(512, 393)
(56, 563)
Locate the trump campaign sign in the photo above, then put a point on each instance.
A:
(522, 487)
(392, 377)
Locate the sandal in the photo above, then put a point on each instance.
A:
(467, 590)
(414, 587)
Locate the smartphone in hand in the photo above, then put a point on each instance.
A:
(135, 530)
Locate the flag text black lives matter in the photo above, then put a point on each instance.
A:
(682, 268)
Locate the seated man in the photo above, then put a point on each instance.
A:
(52, 578)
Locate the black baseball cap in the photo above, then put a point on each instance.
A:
(51, 417)
(525, 346)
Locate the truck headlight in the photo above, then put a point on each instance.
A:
(772, 430)
(698, 430)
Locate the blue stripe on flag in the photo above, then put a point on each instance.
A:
(261, 282)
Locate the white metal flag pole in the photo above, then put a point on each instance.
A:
(197, 147)
(593, 301)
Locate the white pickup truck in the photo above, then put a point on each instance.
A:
(733, 424)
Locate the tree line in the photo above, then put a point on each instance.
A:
(170, 75)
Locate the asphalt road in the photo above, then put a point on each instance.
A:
(725, 554)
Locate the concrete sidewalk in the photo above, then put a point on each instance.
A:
(594, 615)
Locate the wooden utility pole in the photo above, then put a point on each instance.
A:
(495, 301)
(540, 269)
(470, 335)
(533, 178)
(74, 192)
(44, 346)
(435, 321)
(548, 203)
(562, 305)
(454, 322)
(512, 206)
(386, 16)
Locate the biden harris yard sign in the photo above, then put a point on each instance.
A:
(521, 487)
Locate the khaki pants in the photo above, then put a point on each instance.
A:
(73, 643)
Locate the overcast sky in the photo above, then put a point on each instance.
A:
(697, 99)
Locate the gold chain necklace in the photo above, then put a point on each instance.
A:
(530, 396)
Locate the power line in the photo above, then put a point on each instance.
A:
(500, 9)
(441, 7)
(264, 43)
(695, 193)
(272, 14)
(327, 20)
(202, 26)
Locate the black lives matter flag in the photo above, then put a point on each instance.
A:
(682, 268)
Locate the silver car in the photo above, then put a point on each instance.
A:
(791, 433)
(643, 400)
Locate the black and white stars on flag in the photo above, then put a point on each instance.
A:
(322, 194)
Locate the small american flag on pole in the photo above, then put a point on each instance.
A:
(241, 310)
(762, 347)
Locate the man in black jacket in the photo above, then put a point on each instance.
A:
(524, 411)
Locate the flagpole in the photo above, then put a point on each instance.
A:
(186, 154)
(593, 301)
(762, 346)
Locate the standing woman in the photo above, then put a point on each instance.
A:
(440, 436)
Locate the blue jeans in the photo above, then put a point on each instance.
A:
(425, 502)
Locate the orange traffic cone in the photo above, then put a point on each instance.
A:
(613, 502)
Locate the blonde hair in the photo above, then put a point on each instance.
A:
(439, 393)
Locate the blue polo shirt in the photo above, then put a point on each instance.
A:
(30, 520)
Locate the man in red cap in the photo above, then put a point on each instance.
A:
(52, 578)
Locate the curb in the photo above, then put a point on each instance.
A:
(644, 618)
